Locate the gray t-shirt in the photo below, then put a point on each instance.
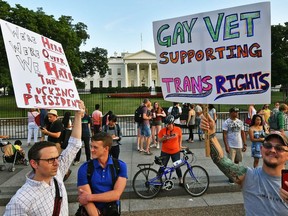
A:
(261, 194)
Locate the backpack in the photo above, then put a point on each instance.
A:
(138, 114)
(117, 131)
(111, 208)
(175, 112)
(273, 121)
(115, 167)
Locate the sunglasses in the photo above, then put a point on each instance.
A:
(278, 147)
(51, 160)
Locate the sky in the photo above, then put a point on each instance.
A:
(126, 26)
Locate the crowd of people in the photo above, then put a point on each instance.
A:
(102, 178)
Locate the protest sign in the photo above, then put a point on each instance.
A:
(39, 69)
(218, 57)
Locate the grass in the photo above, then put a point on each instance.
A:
(120, 106)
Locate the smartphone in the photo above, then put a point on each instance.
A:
(284, 178)
(41, 128)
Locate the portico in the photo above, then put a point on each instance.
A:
(141, 69)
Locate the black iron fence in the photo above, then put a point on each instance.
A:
(17, 128)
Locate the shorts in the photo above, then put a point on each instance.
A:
(156, 123)
(235, 154)
(256, 150)
(145, 130)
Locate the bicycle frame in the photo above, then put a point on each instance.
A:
(167, 171)
(195, 177)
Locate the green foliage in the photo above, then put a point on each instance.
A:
(63, 30)
(279, 56)
(95, 60)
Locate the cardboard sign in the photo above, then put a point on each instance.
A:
(218, 57)
(39, 69)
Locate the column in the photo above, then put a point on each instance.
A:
(150, 76)
(126, 75)
(138, 74)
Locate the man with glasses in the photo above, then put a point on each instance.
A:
(38, 196)
(261, 186)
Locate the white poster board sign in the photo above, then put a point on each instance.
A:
(39, 69)
(218, 57)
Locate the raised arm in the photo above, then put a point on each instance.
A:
(230, 169)
(77, 125)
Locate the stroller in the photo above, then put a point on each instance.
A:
(12, 154)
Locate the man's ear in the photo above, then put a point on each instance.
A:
(33, 163)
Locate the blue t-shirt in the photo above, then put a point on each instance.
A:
(261, 194)
(101, 178)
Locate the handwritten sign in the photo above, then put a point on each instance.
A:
(39, 69)
(219, 57)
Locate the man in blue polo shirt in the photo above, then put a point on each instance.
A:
(102, 192)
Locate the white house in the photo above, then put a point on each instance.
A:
(129, 69)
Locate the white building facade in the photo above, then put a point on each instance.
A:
(127, 70)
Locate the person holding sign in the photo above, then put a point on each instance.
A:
(261, 186)
(44, 192)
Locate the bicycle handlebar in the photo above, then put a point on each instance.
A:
(186, 151)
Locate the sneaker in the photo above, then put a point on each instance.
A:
(191, 141)
(153, 145)
(148, 153)
(141, 150)
(158, 146)
(181, 184)
(231, 182)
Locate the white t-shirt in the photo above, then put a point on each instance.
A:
(234, 128)
(177, 121)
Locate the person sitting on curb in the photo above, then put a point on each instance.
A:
(261, 186)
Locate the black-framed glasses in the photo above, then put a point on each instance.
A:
(51, 160)
(277, 147)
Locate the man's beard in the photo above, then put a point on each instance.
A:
(270, 165)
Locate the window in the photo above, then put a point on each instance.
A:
(132, 83)
(119, 71)
(100, 84)
(109, 71)
(119, 83)
(110, 83)
(91, 84)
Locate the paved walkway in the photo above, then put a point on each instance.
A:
(219, 192)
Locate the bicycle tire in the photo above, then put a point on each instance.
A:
(198, 183)
(141, 185)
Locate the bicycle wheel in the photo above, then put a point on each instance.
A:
(146, 183)
(196, 181)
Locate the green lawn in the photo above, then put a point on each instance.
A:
(120, 106)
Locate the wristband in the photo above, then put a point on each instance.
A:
(212, 136)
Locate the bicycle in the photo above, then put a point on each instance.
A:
(148, 182)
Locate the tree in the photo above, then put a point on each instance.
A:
(279, 54)
(95, 60)
(63, 30)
